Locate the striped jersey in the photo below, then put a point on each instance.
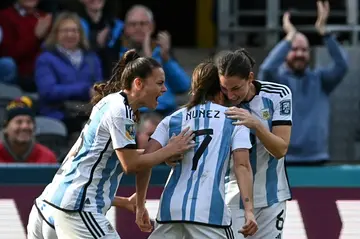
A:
(195, 188)
(272, 105)
(90, 174)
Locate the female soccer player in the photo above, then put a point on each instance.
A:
(192, 204)
(265, 108)
(85, 185)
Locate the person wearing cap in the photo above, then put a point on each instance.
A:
(17, 143)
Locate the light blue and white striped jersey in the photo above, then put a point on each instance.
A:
(89, 176)
(195, 188)
(272, 105)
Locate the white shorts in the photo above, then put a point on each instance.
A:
(38, 227)
(84, 225)
(270, 221)
(189, 231)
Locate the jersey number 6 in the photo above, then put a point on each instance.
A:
(205, 143)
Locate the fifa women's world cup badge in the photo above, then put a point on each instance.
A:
(130, 131)
(285, 107)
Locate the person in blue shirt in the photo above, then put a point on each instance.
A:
(287, 64)
(103, 31)
(138, 28)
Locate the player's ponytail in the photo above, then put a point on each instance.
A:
(114, 84)
(205, 84)
(238, 63)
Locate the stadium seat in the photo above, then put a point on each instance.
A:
(53, 134)
(2, 116)
(8, 93)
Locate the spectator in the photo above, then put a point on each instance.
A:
(103, 31)
(18, 144)
(310, 88)
(66, 71)
(7, 67)
(23, 28)
(7, 70)
(139, 26)
(147, 127)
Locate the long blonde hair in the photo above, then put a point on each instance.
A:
(51, 40)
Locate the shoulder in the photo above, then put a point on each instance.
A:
(182, 110)
(2, 149)
(46, 55)
(92, 56)
(8, 13)
(274, 91)
(118, 106)
(90, 53)
(44, 153)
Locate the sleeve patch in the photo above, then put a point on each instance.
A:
(130, 131)
(285, 107)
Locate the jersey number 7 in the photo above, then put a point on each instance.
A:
(205, 143)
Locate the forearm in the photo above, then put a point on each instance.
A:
(142, 183)
(275, 145)
(278, 54)
(335, 50)
(147, 161)
(244, 178)
(120, 201)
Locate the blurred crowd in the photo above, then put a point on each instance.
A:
(55, 59)
(50, 61)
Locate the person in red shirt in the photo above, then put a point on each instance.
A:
(18, 144)
(23, 28)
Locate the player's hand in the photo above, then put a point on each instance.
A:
(143, 219)
(131, 206)
(242, 117)
(179, 144)
(250, 227)
(323, 10)
(173, 161)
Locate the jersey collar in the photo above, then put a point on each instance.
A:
(123, 94)
(257, 85)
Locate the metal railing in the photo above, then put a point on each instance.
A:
(229, 26)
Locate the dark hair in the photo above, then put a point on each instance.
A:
(129, 67)
(205, 84)
(235, 63)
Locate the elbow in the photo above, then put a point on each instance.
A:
(344, 68)
(131, 168)
(243, 167)
(281, 152)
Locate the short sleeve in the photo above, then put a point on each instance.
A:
(161, 133)
(122, 132)
(241, 138)
(283, 110)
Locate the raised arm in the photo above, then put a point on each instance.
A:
(270, 67)
(333, 74)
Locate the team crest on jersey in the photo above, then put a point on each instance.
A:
(265, 114)
(285, 107)
(130, 131)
